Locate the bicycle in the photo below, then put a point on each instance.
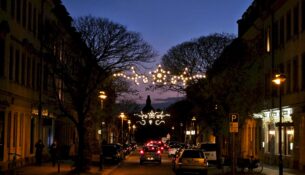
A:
(12, 165)
(250, 165)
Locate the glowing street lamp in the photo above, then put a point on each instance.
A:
(122, 116)
(278, 80)
(102, 96)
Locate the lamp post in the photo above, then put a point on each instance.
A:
(102, 96)
(129, 122)
(278, 80)
(194, 130)
(122, 116)
(133, 129)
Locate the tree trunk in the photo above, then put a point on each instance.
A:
(80, 162)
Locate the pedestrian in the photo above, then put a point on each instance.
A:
(54, 153)
(38, 154)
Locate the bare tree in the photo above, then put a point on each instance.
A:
(197, 55)
(82, 63)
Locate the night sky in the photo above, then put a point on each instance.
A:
(165, 23)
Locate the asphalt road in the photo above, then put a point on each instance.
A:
(131, 166)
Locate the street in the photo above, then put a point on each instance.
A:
(131, 166)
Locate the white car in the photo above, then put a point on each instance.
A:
(173, 149)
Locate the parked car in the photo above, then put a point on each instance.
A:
(173, 149)
(112, 153)
(150, 154)
(209, 150)
(190, 160)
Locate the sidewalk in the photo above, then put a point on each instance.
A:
(268, 170)
(64, 169)
(274, 170)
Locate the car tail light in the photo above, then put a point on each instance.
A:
(158, 152)
(162, 148)
(141, 152)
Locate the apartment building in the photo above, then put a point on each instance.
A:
(278, 27)
(24, 78)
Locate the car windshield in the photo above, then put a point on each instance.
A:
(192, 154)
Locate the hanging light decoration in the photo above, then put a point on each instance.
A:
(134, 76)
(151, 118)
(161, 77)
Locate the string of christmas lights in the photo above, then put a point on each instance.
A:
(151, 118)
(160, 77)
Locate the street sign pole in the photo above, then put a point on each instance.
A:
(233, 129)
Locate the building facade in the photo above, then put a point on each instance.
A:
(279, 28)
(25, 112)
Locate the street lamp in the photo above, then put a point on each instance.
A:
(133, 129)
(102, 96)
(278, 80)
(122, 116)
(129, 122)
(194, 130)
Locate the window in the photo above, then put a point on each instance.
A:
(303, 16)
(288, 80)
(33, 74)
(24, 5)
(15, 129)
(275, 35)
(3, 4)
(296, 20)
(28, 72)
(23, 64)
(303, 71)
(30, 17)
(17, 65)
(9, 129)
(271, 139)
(288, 25)
(13, 8)
(289, 140)
(11, 63)
(18, 16)
(45, 78)
(281, 31)
(21, 129)
(2, 129)
(34, 21)
(295, 74)
(268, 47)
(32, 135)
(2, 56)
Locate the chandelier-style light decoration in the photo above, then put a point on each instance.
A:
(160, 77)
(151, 118)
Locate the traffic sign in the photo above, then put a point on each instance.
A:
(234, 117)
(234, 122)
(233, 126)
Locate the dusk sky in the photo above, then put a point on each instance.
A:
(165, 23)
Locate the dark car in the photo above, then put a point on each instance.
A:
(150, 154)
(112, 153)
